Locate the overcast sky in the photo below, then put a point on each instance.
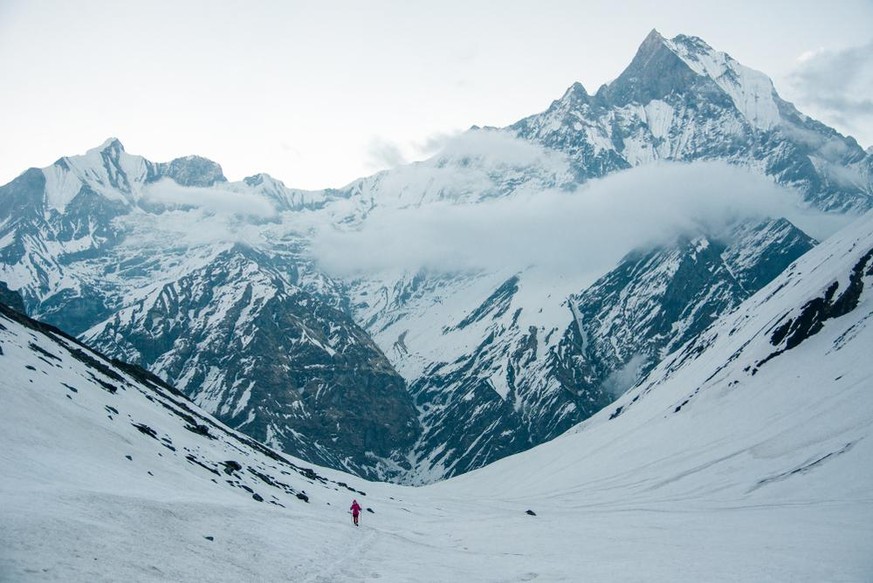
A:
(319, 93)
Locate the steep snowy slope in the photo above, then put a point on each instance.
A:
(761, 426)
(745, 456)
(771, 403)
(108, 472)
(530, 379)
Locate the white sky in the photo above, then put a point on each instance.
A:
(319, 93)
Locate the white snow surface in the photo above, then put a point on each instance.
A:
(759, 476)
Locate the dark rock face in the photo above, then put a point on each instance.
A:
(764, 251)
(812, 316)
(656, 72)
(656, 301)
(11, 298)
(271, 360)
(621, 327)
(191, 171)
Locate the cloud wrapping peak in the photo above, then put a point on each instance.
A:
(214, 200)
(584, 231)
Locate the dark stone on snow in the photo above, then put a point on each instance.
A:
(209, 538)
(530, 512)
(231, 466)
(36, 348)
(370, 510)
(198, 428)
(302, 496)
(258, 497)
(817, 311)
(146, 430)
(192, 459)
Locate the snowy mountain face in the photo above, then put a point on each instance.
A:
(258, 339)
(269, 359)
(744, 455)
(760, 425)
(681, 100)
(523, 386)
(418, 373)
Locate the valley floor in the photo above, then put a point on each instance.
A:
(68, 535)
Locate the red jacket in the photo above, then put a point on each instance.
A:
(356, 508)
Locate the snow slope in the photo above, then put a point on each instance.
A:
(744, 456)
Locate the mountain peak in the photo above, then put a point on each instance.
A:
(655, 72)
(110, 146)
(687, 65)
(193, 171)
(576, 93)
(262, 178)
(654, 37)
(751, 91)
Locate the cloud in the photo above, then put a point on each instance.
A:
(584, 231)
(493, 147)
(840, 83)
(382, 154)
(168, 193)
(434, 143)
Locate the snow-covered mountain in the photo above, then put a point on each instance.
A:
(744, 455)
(500, 360)
(418, 372)
(270, 359)
(524, 385)
(680, 99)
(102, 245)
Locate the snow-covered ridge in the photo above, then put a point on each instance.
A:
(751, 91)
(118, 176)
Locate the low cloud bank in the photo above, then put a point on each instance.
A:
(584, 231)
(212, 200)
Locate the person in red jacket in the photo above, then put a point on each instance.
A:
(356, 511)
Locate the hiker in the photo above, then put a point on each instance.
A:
(356, 511)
